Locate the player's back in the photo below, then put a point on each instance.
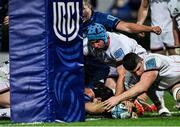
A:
(107, 20)
(121, 45)
(168, 67)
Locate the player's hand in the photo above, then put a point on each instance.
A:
(141, 35)
(89, 92)
(157, 30)
(110, 103)
(129, 105)
(6, 20)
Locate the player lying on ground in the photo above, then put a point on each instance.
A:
(110, 48)
(4, 90)
(155, 71)
(94, 97)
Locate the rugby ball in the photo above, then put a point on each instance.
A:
(120, 112)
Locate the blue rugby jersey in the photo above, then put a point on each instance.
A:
(107, 20)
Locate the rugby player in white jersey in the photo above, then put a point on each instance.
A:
(110, 48)
(156, 72)
(159, 16)
(4, 90)
(174, 8)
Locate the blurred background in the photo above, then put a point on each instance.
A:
(126, 10)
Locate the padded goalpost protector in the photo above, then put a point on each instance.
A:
(46, 60)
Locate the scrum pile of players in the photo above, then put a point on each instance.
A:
(113, 61)
(117, 68)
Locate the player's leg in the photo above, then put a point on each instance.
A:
(5, 99)
(5, 103)
(111, 83)
(156, 44)
(176, 34)
(169, 42)
(4, 92)
(176, 93)
(112, 79)
(158, 101)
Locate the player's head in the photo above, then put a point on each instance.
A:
(97, 36)
(133, 63)
(87, 12)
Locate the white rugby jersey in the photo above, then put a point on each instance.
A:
(167, 66)
(160, 15)
(119, 46)
(174, 8)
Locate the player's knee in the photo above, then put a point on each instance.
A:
(176, 94)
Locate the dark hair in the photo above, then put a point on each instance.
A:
(102, 91)
(130, 61)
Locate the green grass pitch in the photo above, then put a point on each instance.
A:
(149, 119)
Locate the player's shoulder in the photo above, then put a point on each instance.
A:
(152, 55)
(105, 16)
(151, 61)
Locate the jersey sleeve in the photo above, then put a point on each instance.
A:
(152, 63)
(109, 21)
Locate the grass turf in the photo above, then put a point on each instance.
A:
(149, 119)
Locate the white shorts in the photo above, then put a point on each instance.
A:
(162, 40)
(4, 77)
(4, 84)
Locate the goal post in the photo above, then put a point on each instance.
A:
(46, 60)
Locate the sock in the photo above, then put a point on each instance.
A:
(5, 112)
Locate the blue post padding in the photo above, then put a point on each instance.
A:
(66, 34)
(46, 73)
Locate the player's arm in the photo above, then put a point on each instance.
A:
(120, 82)
(143, 11)
(136, 28)
(147, 79)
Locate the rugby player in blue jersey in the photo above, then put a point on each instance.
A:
(113, 23)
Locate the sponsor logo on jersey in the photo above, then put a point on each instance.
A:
(110, 17)
(150, 64)
(119, 53)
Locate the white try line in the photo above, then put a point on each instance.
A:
(173, 112)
